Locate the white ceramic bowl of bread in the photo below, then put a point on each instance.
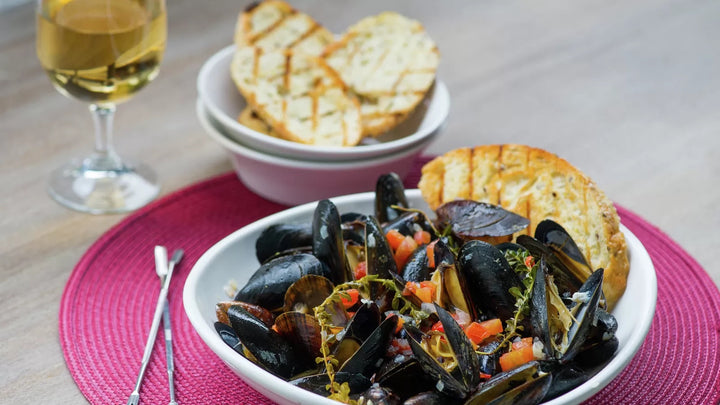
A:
(223, 103)
(295, 181)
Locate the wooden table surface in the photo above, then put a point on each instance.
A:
(629, 92)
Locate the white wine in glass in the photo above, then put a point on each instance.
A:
(102, 52)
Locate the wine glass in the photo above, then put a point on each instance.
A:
(101, 52)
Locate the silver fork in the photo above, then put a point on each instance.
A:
(162, 299)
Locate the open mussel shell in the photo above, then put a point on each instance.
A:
(327, 241)
(468, 366)
(302, 331)
(584, 315)
(431, 398)
(539, 315)
(559, 240)
(268, 348)
(490, 363)
(389, 192)
(404, 377)
(452, 289)
(280, 238)
(261, 313)
(307, 292)
(378, 254)
(524, 384)
(318, 383)
(470, 220)
(489, 279)
(408, 223)
(267, 286)
(228, 335)
(566, 280)
(366, 319)
(367, 359)
(468, 363)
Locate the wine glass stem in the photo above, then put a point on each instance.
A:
(104, 158)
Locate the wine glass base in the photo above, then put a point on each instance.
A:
(113, 191)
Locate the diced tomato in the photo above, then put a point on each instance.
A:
(524, 342)
(274, 327)
(394, 238)
(360, 270)
(529, 262)
(485, 376)
(422, 237)
(352, 300)
(477, 332)
(404, 250)
(516, 358)
(424, 290)
(438, 327)
(431, 254)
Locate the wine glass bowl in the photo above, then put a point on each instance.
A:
(101, 52)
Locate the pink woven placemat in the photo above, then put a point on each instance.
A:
(107, 306)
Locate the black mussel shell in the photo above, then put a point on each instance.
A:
(500, 384)
(489, 278)
(270, 350)
(554, 235)
(416, 268)
(281, 238)
(565, 378)
(596, 353)
(268, 284)
(408, 223)
(228, 335)
(379, 256)
(317, 383)
(389, 192)
(403, 376)
(490, 363)
(446, 382)
(327, 241)
(584, 315)
(367, 358)
(539, 308)
(467, 361)
(474, 220)
(565, 279)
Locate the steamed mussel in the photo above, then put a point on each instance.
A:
(394, 307)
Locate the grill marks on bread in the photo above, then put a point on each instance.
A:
(298, 95)
(276, 25)
(538, 185)
(389, 62)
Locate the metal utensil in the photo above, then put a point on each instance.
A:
(161, 268)
(162, 299)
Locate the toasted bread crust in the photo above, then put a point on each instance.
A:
(250, 119)
(389, 61)
(538, 185)
(298, 95)
(274, 24)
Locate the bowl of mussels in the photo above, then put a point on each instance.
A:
(367, 298)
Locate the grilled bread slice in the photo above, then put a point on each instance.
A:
(538, 185)
(389, 61)
(250, 119)
(274, 24)
(298, 95)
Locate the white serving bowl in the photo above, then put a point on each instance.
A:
(233, 258)
(224, 103)
(291, 181)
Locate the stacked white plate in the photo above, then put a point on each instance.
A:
(293, 173)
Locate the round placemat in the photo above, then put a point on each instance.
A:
(106, 309)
